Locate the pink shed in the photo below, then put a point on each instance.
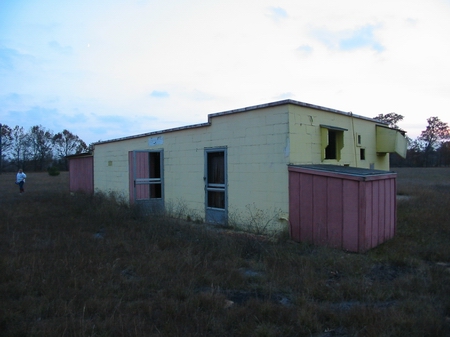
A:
(342, 207)
(81, 173)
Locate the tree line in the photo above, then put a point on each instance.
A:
(430, 148)
(37, 149)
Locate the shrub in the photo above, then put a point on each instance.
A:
(53, 171)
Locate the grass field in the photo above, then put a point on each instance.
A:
(91, 266)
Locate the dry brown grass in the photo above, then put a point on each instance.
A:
(91, 266)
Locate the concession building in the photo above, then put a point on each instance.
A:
(320, 171)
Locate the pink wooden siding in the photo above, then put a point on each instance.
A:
(142, 172)
(342, 207)
(139, 169)
(81, 174)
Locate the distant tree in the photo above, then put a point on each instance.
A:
(5, 143)
(6, 139)
(414, 155)
(431, 138)
(66, 143)
(444, 154)
(19, 147)
(40, 141)
(435, 133)
(391, 118)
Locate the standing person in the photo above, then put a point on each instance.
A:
(20, 180)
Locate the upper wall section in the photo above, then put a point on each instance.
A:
(312, 134)
(241, 110)
(325, 136)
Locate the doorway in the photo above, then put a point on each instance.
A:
(146, 180)
(216, 186)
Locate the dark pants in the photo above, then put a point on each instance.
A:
(21, 187)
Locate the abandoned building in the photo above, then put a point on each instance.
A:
(322, 172)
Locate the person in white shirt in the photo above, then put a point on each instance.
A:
(20, 180)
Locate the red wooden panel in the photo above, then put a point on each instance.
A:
(334, 212)
(366, 205)
(319, 210)
(81, 174)
(388, 208)
(294, 203)
(393, 203)
(350, 198)
(306, 219)
(375, 214)
(131, 176)
(362, 210)
(142, 171)
(381, 211)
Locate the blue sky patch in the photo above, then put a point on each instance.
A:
(361, 38)
(349, 40)
(159, 94)
(278, 13)
(305, 49)
(54, 45)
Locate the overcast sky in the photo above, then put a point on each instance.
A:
(105, 69)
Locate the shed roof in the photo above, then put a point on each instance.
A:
(345, 170)
(79, 155)
(249, 108)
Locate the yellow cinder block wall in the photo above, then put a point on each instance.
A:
(260, 143)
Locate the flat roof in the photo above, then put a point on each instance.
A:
(79, 155)
(348, 170)
(249, 108)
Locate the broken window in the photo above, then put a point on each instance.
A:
(332, 142)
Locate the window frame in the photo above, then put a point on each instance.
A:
(332, 136)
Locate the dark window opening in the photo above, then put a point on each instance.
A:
(155, 186)
(362, 154)
(155, 165)
(216, 179)
(332, 142)
(331, 149)
(155, 191)
(216, 199)
(216, 173)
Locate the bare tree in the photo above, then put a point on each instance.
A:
(431, 138)
(66, 143)
(5, 143)
(19, 147)
(391, 118)
(435, 132)
(41, 146)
